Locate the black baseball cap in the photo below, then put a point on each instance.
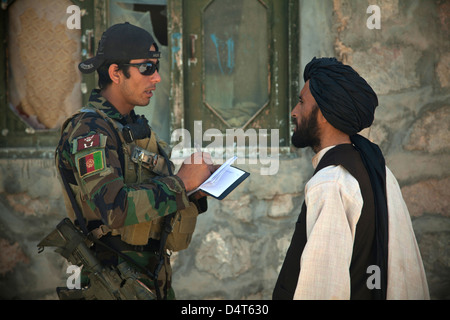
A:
(122, 41)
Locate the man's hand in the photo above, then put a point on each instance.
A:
(196, 169)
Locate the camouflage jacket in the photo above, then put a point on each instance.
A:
(100, 185)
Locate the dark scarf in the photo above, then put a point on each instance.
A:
(375, 164)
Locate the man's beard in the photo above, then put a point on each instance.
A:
(307, 133)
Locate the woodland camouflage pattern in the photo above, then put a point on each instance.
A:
(91, 156)
(104, 190)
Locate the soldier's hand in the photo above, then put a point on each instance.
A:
(196, 169)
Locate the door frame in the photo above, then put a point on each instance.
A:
(179, 46)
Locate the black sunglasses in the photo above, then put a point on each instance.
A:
(145, 68)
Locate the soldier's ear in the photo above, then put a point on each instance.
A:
(114, 73)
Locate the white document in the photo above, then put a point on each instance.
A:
(222, 179)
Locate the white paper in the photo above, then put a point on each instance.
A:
(221, 179)
(227, 178)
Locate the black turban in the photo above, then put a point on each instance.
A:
(345, 99)
(348, 103)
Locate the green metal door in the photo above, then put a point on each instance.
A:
(237, 64)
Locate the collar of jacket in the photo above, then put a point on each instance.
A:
(96, 100)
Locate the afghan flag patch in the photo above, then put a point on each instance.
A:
(90, 163)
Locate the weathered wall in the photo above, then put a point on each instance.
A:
(240, 243)
(31, 205)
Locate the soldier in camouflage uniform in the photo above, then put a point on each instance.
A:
(118, 170)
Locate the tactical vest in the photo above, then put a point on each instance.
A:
(142, 162)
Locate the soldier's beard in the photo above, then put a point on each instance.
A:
(307, 132)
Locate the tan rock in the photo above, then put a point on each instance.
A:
(431, 132)
(430, 196)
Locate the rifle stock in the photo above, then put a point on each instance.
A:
(106, 283)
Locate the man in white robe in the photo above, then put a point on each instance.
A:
(354, 238)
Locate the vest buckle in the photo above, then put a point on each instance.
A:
(142, 156)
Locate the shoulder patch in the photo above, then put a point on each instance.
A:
(91, 141)
(85, 143)
(90, 163)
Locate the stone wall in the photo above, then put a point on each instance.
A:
(240, 243)
(408, 63)
(31, 205)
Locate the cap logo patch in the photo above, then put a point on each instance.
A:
(155, 54)
(86, 66)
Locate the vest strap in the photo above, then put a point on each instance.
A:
(101, 231)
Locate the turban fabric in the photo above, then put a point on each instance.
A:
(344, 97)
(348, 103)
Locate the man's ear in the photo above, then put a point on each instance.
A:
(320, 118)
(114, 73)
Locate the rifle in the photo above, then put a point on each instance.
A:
(106, 283)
